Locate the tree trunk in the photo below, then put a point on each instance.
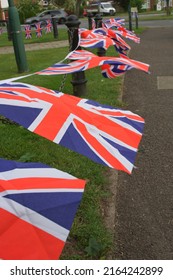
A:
(78, 3)
(168, 12)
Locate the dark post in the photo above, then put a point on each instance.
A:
(130, 16)
(168, 11)
(90, 15)
(78, 78)
(136, 19)
(8, 31)
(98, 21)
(55, 29)
(15, 29)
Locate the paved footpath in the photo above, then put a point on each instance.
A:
(144, 200)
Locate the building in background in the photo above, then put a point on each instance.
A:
(3, 9)
(44, 3)
(4, 4)
(157, 5)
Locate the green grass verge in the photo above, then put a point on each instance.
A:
(88, 239)
(155, 17)
(49, 37)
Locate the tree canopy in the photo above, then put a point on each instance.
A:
(27, 8)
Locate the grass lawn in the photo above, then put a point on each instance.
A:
(62, 35)
(88, 239)
(155, 17)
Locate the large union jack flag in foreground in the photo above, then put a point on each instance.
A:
(107, 135)
(37, 208)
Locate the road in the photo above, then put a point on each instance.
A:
(155, 23)
(142, 23)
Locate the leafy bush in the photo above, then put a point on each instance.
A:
(137, 3)
(133, 3)
(27, 8)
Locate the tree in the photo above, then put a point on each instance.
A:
(124, 4)
(27, 8)
(133, 3)
(137, 3)
(58, 3)
(78, 5)
(168, 10)
(71, 6)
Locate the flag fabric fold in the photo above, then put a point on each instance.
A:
(107, 135)
(37, 208)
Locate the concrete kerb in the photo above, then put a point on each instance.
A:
(110, 209)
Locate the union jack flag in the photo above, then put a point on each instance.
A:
(107, 135)
(104, 43)
(48, 26)
(123, 62)
(28, 34)
(102, 37)
(85, 60)
(113, 22)
(91, 39)
(120, 45)
(62, 68)
(128, 34)
(37, 208)
(121, 30)
(38, 29)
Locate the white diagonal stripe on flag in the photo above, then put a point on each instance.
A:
(35, 172)
(9, 192)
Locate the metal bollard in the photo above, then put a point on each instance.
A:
(55, 29)
(8, 31)
(90, 21)
(136, 20)
(98, 21)
(78, 78)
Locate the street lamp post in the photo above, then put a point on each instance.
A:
(15, 29)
